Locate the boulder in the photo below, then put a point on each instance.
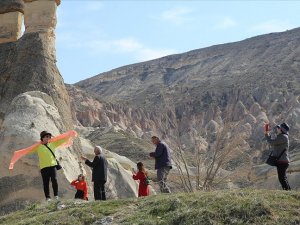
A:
(27, 116)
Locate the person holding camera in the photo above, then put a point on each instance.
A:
(280, 150)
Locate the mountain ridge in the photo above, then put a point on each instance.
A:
(255, 38)
(194, 94)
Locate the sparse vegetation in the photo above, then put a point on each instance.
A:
(217, 207)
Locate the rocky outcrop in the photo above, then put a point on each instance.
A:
(40, 17)
(27, 115)
(11, 19)
(27, 67)
(7, 6)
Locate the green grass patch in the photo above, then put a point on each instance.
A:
(213, 208)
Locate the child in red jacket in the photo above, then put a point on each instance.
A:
(81, 187)
(141, 175)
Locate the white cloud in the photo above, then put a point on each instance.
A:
(272, 26)
(147, 54)
(139, 51)
(226, 23)
(99, 45)
(177, 15)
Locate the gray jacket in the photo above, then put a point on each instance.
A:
(280, 143)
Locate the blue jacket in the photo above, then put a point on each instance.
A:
(162, 156)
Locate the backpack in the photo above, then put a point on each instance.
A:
(147, 181)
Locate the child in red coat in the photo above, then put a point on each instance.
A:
(141, 175)
(81, 187)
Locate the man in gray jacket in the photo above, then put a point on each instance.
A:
(280, 150)
(163, 163)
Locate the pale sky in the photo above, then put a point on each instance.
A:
(97, 36)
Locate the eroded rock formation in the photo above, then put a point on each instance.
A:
(190, 95)
(33, 98)
(11, 20)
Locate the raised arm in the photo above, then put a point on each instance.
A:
(73, 183)
(94, 163)
(279, 140)
(64, 140)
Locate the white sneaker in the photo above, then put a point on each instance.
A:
(56, 198)
(48, 199)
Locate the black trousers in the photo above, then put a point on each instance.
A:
(281, 171)
(99, 190)
(79, 194)
(47, 174)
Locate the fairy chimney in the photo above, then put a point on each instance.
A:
(40, 17)
(11, 19)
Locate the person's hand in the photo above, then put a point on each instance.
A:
(151, 155)
(133, 171)
(83, 158)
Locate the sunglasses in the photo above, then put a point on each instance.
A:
(48, 136)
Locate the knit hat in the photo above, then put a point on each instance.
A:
(284, 128)
(44, 133)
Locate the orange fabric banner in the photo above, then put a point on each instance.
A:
(68, 142)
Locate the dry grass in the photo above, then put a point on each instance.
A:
(218, 207)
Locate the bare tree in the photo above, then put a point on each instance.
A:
(209, 160)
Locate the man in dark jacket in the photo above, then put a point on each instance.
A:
(163, 163)
(99, 173)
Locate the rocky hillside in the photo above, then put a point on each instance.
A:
(193, 95)
(205, 208)
(33, 98)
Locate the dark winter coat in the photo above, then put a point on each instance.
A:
(99, 168)
(162, 156)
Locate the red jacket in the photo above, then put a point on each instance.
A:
(143, 188)
(82, 186)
